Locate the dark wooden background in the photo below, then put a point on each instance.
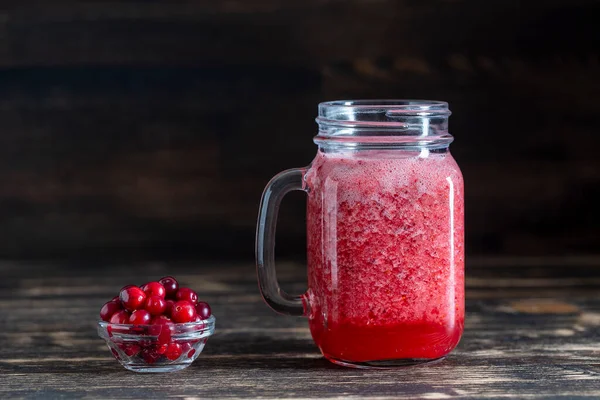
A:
(149, 128)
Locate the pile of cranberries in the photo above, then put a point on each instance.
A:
(159, 304)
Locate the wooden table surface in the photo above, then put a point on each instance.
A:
(532, 331)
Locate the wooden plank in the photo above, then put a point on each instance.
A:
(512, 348)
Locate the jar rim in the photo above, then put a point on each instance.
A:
(378, 113)
(385, 103)
(384, 122)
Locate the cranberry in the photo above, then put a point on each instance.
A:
(171, 285)
(165, 335)
(140, 317)
(187, 294)
(108, 310)
(138, 329)
(161, 320)
(188, 347)
(130, 349)
(116, 299)
(120, 317)
(183, 311)
(161, 327)
(154, 289)
(200, 325)
(150, 355)
(155, 305)
(132, 298)
(169, 307)
(203, 310)
(161, 348)
(173, 352)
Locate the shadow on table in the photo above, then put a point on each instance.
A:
(245, 362)
(256, 351)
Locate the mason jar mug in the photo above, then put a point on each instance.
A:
(385, 235)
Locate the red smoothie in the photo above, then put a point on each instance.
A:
(385, 254)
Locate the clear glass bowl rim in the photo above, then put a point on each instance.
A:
(208, 325)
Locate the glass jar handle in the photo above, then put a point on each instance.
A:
(276, 189)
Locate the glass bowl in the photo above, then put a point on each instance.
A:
(156, 348)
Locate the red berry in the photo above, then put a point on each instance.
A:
(173, 352)
(108, 310)
(150, 355)
(132, 298)
(161, 348)
(199, 327)
(130, 349)
(191, 353)
(120, 317)
(187, 347)
(169, 307)
(183, 311)
(165, 334)
(203, 310)
(171, 286)
(155, 305)
(140, 317)
(161, 320)
(154, 289)
(187, 294)
(161, 327)
(116, 299)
